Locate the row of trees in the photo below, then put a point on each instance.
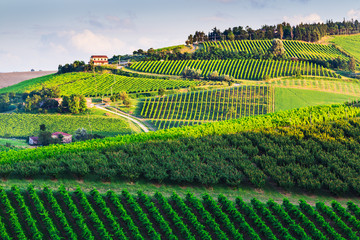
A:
(305, 32)
(44, 99)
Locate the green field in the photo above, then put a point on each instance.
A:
(207, 106)
(322, 85)
(296, 49)
(73, 214)
(289, 98)
(101, 84)
(252, 69)
(349, 43)
(24, 125)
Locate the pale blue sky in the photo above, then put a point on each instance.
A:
(41, 34)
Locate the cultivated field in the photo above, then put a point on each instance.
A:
(206, 106)
(9, 79)
(296, 49)
(252, 69)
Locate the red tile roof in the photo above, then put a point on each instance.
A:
(99, 56)
(62, 133)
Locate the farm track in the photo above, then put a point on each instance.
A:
(137, 121)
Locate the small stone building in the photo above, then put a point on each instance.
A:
(33, 140)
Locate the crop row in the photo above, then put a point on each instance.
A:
(296, 117)
(297, 49)
(204, 106)
(141, 216)
(251, 69)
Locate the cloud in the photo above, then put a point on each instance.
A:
(111, 22)
(297, 19)
(354, 14)
(89, 42)
(218, 17)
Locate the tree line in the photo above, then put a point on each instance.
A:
(303, 31)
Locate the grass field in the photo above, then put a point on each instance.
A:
(14, 142)
(206, 106)
(323, 85)
(289, 98)
(349, 43)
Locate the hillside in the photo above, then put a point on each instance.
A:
(349, 43)
(294, 49)
(239, 69)
(100, 84)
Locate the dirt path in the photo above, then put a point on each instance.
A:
(127, 116)
(8, 79)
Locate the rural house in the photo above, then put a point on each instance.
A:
(67, 138)
(99, 59)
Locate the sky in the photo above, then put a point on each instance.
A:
(41, 34)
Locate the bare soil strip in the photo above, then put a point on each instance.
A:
(8, 79)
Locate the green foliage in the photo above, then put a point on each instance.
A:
(309, 158)
(65, 214)
(277, 49)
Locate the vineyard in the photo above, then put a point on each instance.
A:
(102, 84)
(252, 69)
(205, 106)
(63, 214)
(296, 49)
(24, 125)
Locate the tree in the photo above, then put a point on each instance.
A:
(214, 75)
(231, 36)
(278, 49)
(74, 104)
(83, 106)
(161, 92)
(44, 136)
(280, 30)
(127, 102)
(352, 64)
